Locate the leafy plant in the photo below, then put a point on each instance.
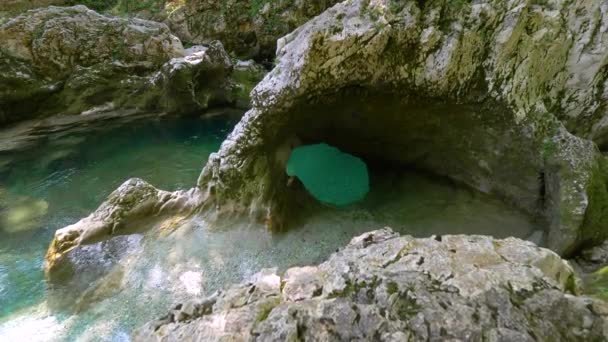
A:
(98, 5)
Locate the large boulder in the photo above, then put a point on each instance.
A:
(488, 93)
(72, 60)
(130, 208)
(247, 28)
(384, 287)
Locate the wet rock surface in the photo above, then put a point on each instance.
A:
(394, 288)
(124, 212)
(441, 86)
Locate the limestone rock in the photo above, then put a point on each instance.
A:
(57, 39)
(487, 93)
(177, 21)
(384, 287)
(125, 211)
(199, 79)
(71, 61)
(247, 28)
(594, 258)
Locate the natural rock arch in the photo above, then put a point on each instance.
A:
(509, 70)
(487, 93)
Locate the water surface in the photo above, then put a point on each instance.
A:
(129, 280)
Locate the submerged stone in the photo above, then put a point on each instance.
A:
(330, 175)
(23, 214)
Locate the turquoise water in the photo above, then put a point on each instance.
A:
(330, 175)
(127, 281)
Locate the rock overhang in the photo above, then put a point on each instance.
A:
(520, 149)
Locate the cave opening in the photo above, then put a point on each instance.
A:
(478, 148)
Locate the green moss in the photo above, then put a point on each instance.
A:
(266, 308)
(405, 307)
(256, 6)
(596, 217)
(395, 6)
(352, 288)
(596, 284)
(549, 148)
(98, 5)
(132, 6)
(247, 80)
(392, 287)
(121, 7)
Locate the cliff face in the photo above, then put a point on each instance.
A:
(72, 60)
(384, 287)
(247, 28)
(498, 95)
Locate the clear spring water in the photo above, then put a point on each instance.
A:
(130, 280)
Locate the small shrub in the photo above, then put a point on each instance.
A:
(98, 5)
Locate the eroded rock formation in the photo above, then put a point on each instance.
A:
(130, 208)
(487, 93)
(247, 28)
(384, 287)
(71, 60)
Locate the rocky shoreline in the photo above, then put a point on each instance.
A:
(506, 98)
(386, 287)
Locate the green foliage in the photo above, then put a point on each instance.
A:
(549, 148)
(395, 6)
(596, 284)
(596, 216)
(122, 6)
(131, 6)
(98, 5)
(331, 176)
(256, 6)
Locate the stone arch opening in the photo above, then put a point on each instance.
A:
(479, 145)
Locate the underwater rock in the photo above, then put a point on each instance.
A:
(125, 211)
(387, 287)
(22, 214)
(487, 93)
(331, 176)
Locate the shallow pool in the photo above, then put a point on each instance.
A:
(130, 280)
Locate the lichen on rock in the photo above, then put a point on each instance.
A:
(72, 60)
(128, 209)
(386, 287)
(479, 92)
